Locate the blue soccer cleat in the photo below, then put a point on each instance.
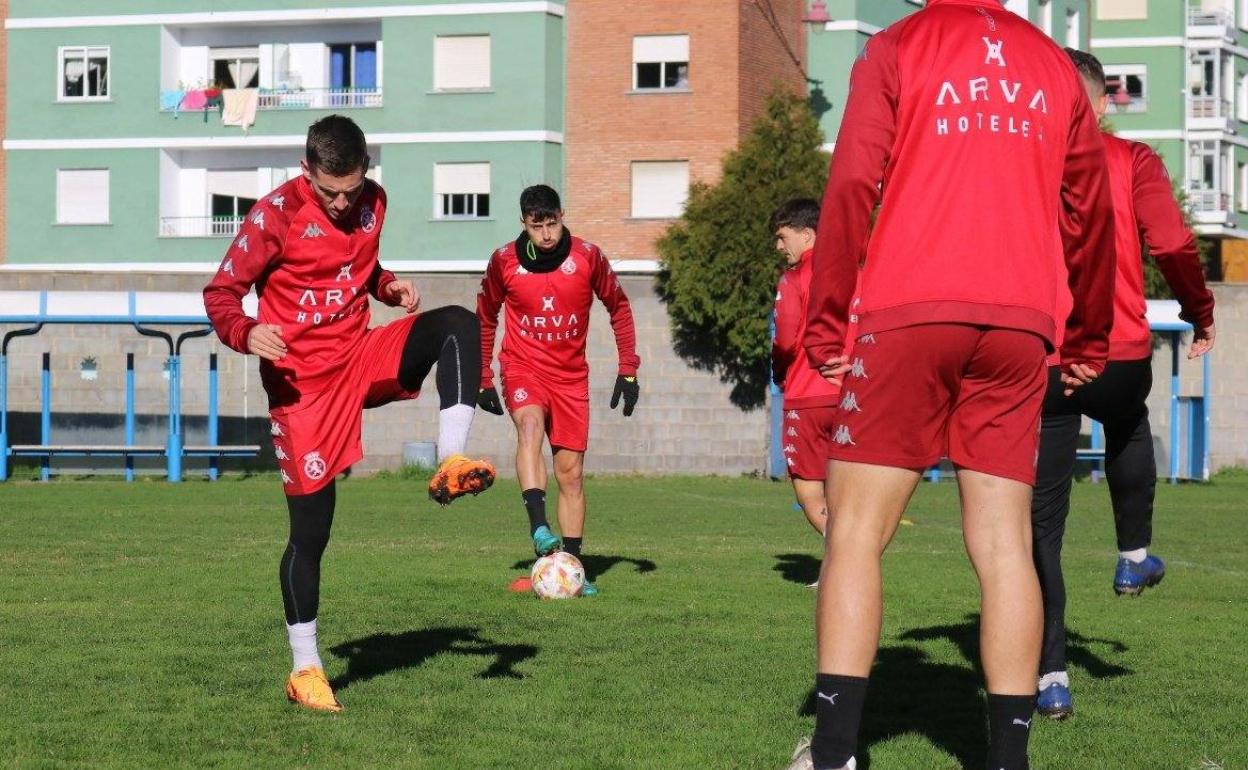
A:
(545, 542)
(1054, 702)
(1131, 579)
(589, 589)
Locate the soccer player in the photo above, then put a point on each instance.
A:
(1145, 210)
(548, 278)
(310, 250)
(971, 130)
(809, 399)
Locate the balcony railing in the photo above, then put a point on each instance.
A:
(285, 99)
(199, 227)
(1198, 16)
(1209, 201)
(1205, 107)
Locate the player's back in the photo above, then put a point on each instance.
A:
(967, 229)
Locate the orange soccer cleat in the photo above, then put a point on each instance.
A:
(459, 476)
(309, 688)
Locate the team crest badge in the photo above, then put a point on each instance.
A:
(520, 395)
(368, 220)
(314, 466)
(568, 267)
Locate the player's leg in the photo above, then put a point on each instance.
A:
(810, 495)
(1050, 505)
(530, 422)
(299, 574)
(807, 434)
(570, 473)
(449, 337)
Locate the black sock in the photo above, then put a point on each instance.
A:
(535, 504)
(1009, 727)
(572, 545)
(838, 711)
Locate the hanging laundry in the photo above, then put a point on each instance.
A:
(171, 101)
(240, 106)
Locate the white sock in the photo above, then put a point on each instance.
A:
(453, 425)
(1054, 677)
(1135, 557)
(302, 638)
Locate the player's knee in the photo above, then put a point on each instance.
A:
(461, 322)
(570, 477)
(529, 429)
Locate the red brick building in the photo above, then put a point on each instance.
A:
(657, 93)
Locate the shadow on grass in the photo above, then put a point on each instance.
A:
(911, 693)
(380, 654)
(797, 567)
(596, 564)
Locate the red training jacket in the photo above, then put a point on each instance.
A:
(548, 314)
(971, 128)
(313, 277)
(1145, 210)
(803, 386)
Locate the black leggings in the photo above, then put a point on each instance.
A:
(449, 337)
(1116, 400)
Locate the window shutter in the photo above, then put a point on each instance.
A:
(452, 178)
(461, 62)
(660, 48)
(660, 189)
(82, 196)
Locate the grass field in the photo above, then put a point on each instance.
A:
(140, 626)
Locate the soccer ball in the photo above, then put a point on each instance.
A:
(558, 576)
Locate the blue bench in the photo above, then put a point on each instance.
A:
(35, 309)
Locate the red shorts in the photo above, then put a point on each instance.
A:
(566, 405)
(807, 436)
(920, 393)
(318, 436)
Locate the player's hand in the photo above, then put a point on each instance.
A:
(834, 369)
(487, 399)
(1202, 342)
(402, 294)
(265, 340)
(630, 390)
(1076, 376)
(777, 376)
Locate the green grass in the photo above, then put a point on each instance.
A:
(140, 626)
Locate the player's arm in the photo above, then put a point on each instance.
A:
(249, 258)
(855, 175)
(489, 302)
(1088, 245)
(387, 288)
(786, 347)
(607, 288)
(1172, 244)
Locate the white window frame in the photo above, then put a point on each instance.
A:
(442, 198)
(489, 70)
(1123, 70)
(663, 65)
(1045, 20)
(1074, 22)
(86, 50)
(108, 210)
(633, 193)
(234, 54)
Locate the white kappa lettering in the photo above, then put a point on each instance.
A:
(257, 219)
(241, 243)
(228, 267)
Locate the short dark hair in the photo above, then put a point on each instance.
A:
(540, 202)
(336, 145)
(1089, 67)
(799, 214)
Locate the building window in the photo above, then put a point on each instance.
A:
(1019, 7)
(353, 66)
(660, 188)
(1117, 10)
(1046, 17)
(236, 67)
(661, 63)
(461, 191)
(1072, 28)
(1243, 186)
(82, 196)
(461, 63)
(1125, 85)
(84, 73)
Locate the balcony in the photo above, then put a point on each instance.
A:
(1209, 113)
(284, 99)
(1209, 207)
(1206, 21)
(199, 227)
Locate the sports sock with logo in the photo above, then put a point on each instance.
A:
(838, 712)
(1009, 727)
(535, 504)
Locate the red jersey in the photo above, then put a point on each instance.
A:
(1146, 212)
(803, 386)
(313, 276)
(548, 314)
(970, 128)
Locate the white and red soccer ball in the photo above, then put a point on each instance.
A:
(558, 576)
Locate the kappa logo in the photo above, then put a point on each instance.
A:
(866, 339)
(313, 230)
(789, 449)
(791, 462)
(368, 220)
(279, 202)
(520, 270)
(257, 219)
(241, 243)
(858, 369)
(344, 273)
(286, 478)
(778, 296)
(850, 403)
(842, 436)
(314, 466)
(548, 303)
(228, 266)
(791, 432)
(568, 267)
(794, 416)
(520, 395)
(278, 452)
(275, 429)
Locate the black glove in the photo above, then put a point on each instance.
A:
(487, 399)
(630, 390)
